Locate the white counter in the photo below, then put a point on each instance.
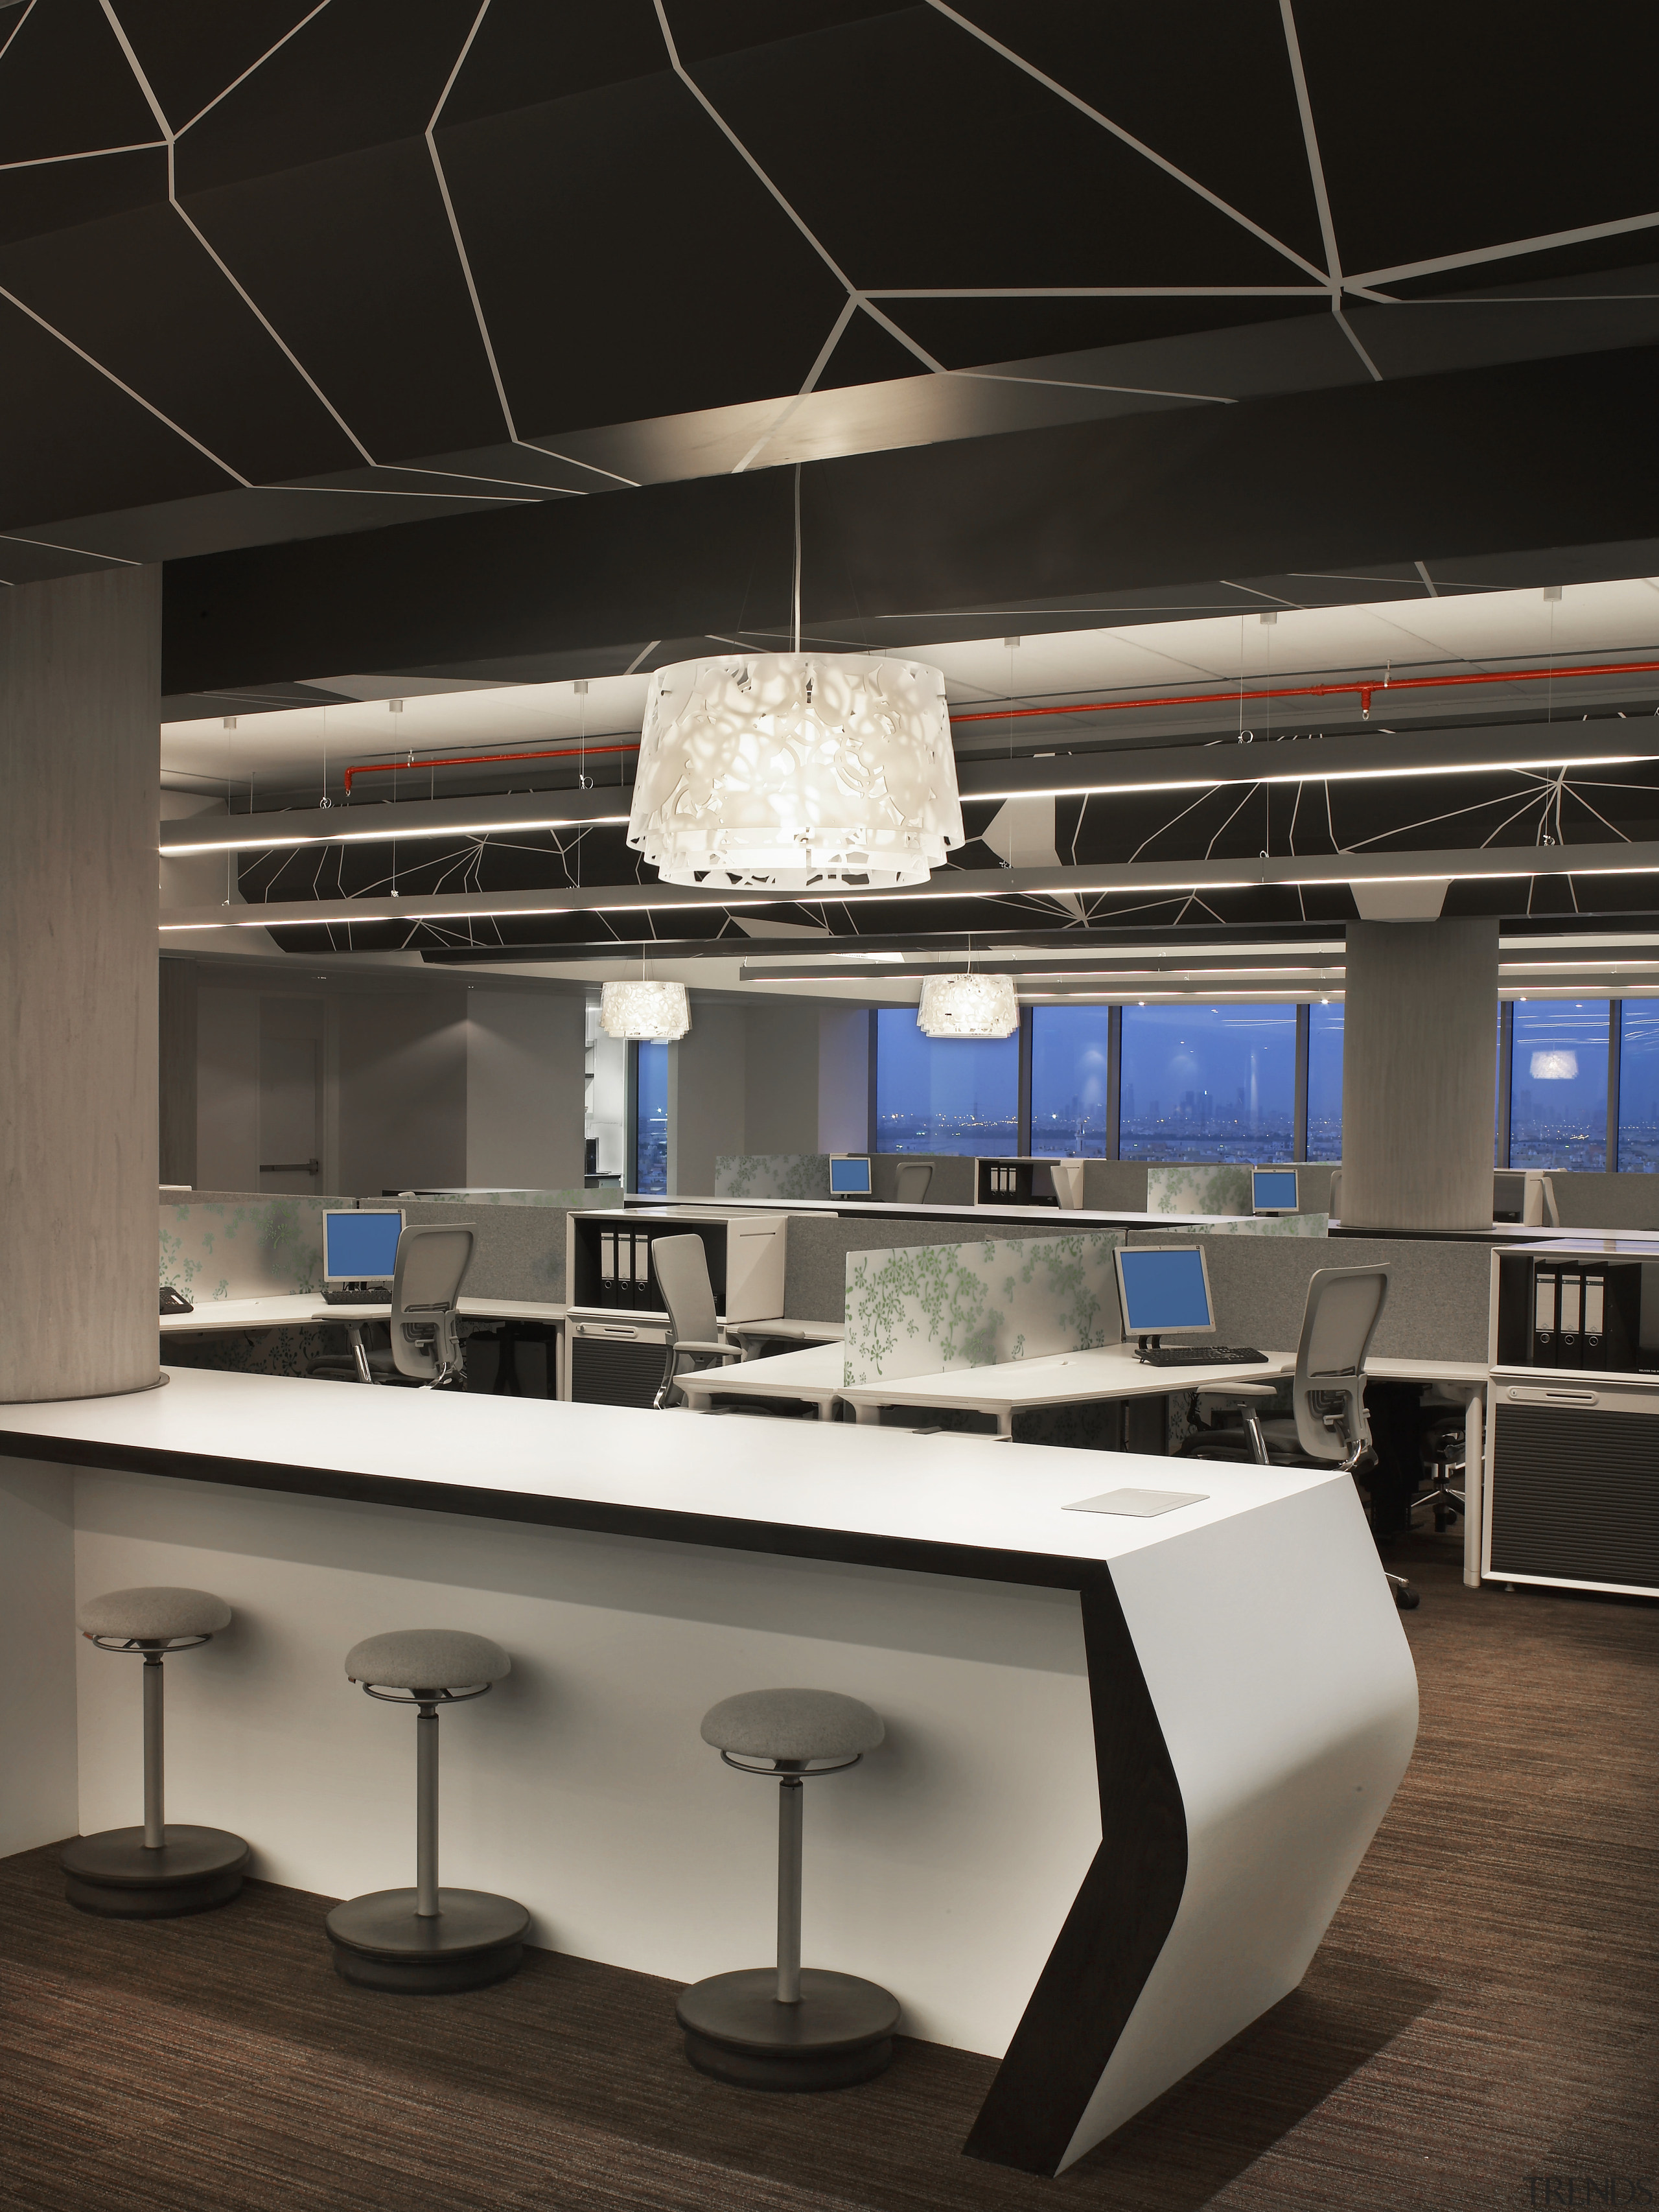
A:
(1132, 1763)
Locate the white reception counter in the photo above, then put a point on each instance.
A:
(1131, 1763)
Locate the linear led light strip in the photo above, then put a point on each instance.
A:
(1531, 764)
(264, 840)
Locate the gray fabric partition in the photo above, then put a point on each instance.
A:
(815, 1280)
(1438, 1294)
(1606, 1201)
(1115, 1186)
(952, 1183)
(519, 1252)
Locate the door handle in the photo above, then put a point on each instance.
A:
(290, 1167)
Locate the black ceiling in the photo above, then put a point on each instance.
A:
(279, 270)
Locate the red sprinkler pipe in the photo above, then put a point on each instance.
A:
(1315, 691)
(477, 760)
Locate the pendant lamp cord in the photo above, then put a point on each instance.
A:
(794, 627)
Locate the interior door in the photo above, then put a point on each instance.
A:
(291, 1095)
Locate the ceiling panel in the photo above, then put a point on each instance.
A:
(66, 88)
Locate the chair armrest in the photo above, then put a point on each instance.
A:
(713, 1351)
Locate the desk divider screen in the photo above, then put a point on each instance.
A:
(922, 1308)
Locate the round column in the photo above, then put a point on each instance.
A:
(80, 716)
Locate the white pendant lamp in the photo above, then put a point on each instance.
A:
(808, 772)
(968, 1006)
(645, 1013)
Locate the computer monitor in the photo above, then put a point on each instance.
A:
(1164, 1290)
(849, 1174)
(360, 1243)
(1273, 1190)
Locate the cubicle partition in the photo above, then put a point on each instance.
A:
(772, 1175)
(815, 1282)
(925, 1310)
(219, 1245)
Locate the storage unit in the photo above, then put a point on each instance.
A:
(617, 1331)
(1572, 1453)
(1028, 1182)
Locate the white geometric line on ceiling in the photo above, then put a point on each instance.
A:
(455, 227)
(1584, 235)
(88, 154)
(1136, 145)
(251, 68)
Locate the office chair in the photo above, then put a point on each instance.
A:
(681, 1271)
(424, 1346)
(1328, 1393)
(1442, 1441)
(911, 1185)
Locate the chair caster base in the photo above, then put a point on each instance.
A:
(1405, 1597)
(380, 1942)
(193, 1870)
(839, 2034)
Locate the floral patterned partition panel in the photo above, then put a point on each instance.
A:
(243, 1246)
(1198, 1190)
(923, 1308)
(1266, 1225)
(772, 1175)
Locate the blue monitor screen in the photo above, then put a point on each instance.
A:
(1275, 1190)
(849, 1178)
(360, 1247)
(1164, 1290)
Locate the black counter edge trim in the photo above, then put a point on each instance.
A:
(784, 1540)
(1118, 1923)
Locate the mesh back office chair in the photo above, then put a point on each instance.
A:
(910, 1187)
(682, 1269)
(424, 1347)
(1329, 1427)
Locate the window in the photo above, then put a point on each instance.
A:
(1070, 1079)
(943, 1094)
(1558, 1085)
(1325, 1083)
(651, 1121)
(1638, 1086)
(1208, 1082)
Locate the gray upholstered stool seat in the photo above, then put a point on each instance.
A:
(792, 1727)
(427, 1659)
(426, 1940)
(163, 1870)
(789, 2026)
(158, 1615)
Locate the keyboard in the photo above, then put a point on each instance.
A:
(357, 1294)
(1202, 1355)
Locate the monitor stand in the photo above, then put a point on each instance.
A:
(1146, 1343)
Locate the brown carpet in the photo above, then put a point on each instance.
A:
(1481, 2023)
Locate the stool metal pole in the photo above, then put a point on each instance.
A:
(790, 1805)
(155, 1815)
(426, 1813)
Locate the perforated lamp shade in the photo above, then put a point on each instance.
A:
(645, 1013)
(796, 771)
(969, 1006)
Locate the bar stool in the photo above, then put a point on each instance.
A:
(162, 1870)
(789, 2026)
(426, 1940)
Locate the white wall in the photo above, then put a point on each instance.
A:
(227, 1089)
(843, 1080)
(780, 1077)
(402, 1078)
(525, 1085)
(706, 1074)
(38, 1771)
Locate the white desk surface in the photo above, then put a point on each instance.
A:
(1058, 1379)
(293, 1311)
(836, 1479)
(806, 1332)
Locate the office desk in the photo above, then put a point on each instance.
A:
(1121, 1797)
(812, 1374)
(306, 1307)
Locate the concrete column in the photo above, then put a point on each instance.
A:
(1419, 1066)
(80, 716)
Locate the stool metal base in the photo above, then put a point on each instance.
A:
(381, 1943)
(840, 2033)
(193, 1870)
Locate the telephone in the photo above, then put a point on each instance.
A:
(173, 1301)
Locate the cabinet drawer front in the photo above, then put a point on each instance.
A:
(1575, 1492)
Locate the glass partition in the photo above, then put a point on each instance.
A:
(1208, 1082)
(1325, 1082)
(1070, 1079)
(943, 1094)
(651, 1121)
(1638, 1086)
(1558, 1084)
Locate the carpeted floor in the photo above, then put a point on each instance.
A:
(1479, 2028)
